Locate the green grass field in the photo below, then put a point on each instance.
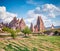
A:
(34, 43)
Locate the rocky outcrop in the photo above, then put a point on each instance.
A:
(52, 27)
(39, 25)
(1, 27)
(32, 27)
(17, 24)
(35, 28)
(22, 24)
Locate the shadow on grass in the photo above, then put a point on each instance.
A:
(11, 47)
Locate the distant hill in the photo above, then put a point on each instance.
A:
(54, 27)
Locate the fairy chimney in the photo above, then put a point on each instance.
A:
(32, 27)
(40, 24)
(22, 24)
(52, 27)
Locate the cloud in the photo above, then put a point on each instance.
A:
(31, 2)
(46, 11)
(51, 10)
(5, 16)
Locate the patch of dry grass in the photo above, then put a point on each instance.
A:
(38, 43)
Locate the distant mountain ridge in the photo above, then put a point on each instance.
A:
(54, 27)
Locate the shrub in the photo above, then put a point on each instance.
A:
(56, 33)
(26, 31)
(13, 34)
(17, 30)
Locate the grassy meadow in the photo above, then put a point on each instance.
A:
(33, 43)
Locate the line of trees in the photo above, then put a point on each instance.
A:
(13, 33)
(26, 31)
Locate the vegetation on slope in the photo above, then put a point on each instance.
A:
(26, 31)
(34, 43)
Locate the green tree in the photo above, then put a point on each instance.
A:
(26, 31)
(56, 33)
(17, 30)
(6, 29)
(13, 33)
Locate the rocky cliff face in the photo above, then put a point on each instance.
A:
(17, 24)
(32, 27)
(13, 22)
(39, 25)
(35, 28)
(1, 26)
(22, 24)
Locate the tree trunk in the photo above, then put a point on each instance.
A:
(25, 35)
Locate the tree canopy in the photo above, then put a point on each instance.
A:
(26, 30)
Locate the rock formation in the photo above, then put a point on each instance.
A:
(22, 24)
(39, 25)
(35, 28)
(1, 27)
(32, 27)
(17, 24)
(52, 27)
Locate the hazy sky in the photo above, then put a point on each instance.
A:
(49, 10)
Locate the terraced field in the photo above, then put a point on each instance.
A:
(34, 43)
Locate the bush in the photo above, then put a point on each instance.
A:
(56, 33)
(17, 30)
(6, 29)
(26, 31)
(13, 33)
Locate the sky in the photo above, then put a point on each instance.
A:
(49, 10)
